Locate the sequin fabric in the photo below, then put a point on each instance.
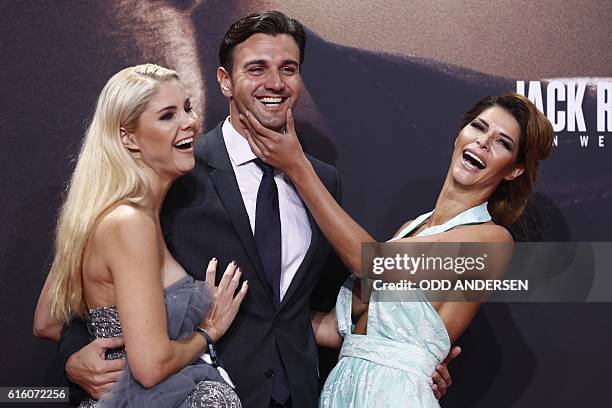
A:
(213, 394)
(89, 403)
(197, 385)
(104, 322)
(207, 394)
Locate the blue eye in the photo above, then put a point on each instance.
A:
(167, 116)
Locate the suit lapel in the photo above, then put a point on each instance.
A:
(305, 266)
(224, 180)
(214, 153)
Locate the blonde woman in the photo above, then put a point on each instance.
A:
(111, 265)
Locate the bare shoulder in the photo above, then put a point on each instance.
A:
(491, 232)
(129, 239)
(487, 232)
(126, 223)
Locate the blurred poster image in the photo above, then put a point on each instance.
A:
(385, 86)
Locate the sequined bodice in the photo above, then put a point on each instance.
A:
(104, 322)
(181, 300)
(197, 385)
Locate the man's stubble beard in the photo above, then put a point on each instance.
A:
(272, 124)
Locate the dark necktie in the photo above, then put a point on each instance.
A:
(268, 240)
(268, 228)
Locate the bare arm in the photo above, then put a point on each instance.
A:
(132, 250)
(45, 326)
(499, 246)
(83, 362)
(325, 330)
(457, 316)
(284, 152)
(343, 233)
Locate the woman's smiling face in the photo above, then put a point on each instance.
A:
(486, 150)
(166, 132)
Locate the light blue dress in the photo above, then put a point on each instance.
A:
(391, 366)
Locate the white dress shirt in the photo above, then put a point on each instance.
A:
(295, 228)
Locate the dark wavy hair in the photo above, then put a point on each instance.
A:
(508, 201)
(262, 22)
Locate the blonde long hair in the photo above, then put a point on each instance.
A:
(105, 174)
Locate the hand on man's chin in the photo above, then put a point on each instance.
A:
(275, 124)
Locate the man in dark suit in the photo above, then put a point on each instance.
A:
(216, 210)
(220, 210)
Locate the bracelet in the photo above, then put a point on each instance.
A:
(209, 343)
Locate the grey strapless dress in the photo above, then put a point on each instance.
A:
(197, 385)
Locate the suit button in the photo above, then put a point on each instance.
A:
(276, 321)
(269, 373)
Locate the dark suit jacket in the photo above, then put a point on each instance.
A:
(204, 217)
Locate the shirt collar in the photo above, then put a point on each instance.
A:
(237, 146)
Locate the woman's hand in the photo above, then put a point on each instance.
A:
(282, 151)
(226, 305)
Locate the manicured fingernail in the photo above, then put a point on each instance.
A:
(214, 259)
(234, 263)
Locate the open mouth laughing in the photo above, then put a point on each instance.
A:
(272, 101)
(472, 160)
(184, 144)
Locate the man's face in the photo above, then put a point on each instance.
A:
(265, 79)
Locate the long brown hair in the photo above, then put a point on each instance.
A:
(508, 201)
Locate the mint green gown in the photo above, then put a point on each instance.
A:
(391, 366)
